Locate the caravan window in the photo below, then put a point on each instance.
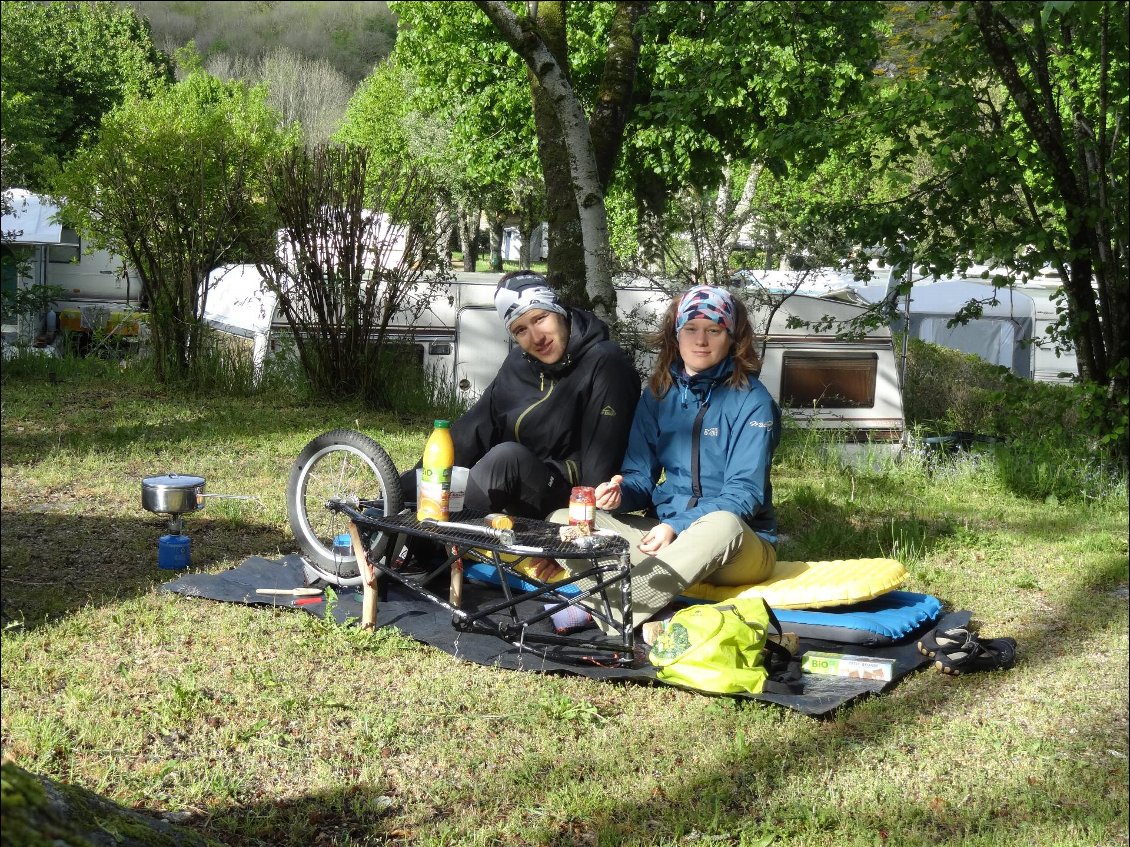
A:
(69, 249)
(840, 380)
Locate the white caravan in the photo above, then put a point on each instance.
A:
(100, 293)
(822, 382)
(1013, 332)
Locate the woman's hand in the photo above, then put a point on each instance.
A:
(608, 494)
(657, 538)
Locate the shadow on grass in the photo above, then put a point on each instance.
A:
(727, 805)
(56, 564)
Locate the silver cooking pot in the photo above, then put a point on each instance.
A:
(172, 494)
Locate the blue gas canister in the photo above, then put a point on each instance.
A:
(343, 547)
(173, 552)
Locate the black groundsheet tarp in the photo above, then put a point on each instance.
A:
(431, 624)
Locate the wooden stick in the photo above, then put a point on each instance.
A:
(293, 592)
(368, 580)
(456, 593)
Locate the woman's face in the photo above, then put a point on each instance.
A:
(544, 335)
(702, 345)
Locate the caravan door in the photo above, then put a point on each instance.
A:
(481, 346)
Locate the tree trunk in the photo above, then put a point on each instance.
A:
(444, 226)
(38, 810)
(566, 264)
(613, 104)
(523, 38)
(497, 221)
(468, 237)
(651, 205)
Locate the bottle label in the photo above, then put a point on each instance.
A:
(433, 500)
(441, 476)
(582, 506)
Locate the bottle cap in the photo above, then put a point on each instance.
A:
(442, 424)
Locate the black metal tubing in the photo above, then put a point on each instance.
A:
(542, 537)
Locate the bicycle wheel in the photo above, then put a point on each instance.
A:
(339, 465)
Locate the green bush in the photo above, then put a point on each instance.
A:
(1057, 442)
(949, 391)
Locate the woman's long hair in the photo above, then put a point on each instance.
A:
(666, 343)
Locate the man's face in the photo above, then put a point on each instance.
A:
(542, 334)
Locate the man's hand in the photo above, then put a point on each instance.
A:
(608, 494)
(659, 537)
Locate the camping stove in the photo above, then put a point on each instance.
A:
(174, 495)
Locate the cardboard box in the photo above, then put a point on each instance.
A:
(842, 664)
(71, 320)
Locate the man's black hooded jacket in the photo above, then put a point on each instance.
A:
(574, 415)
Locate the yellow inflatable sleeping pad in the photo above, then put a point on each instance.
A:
(813, 585)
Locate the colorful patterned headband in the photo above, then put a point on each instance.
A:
(703, 301)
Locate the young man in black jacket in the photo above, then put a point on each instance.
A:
(556, 415)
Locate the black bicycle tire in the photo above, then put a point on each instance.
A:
(304, 512)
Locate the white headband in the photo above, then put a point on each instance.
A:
(511, 305)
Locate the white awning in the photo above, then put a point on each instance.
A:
(31, 219)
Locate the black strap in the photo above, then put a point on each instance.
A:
(783, 667)
(696, 436)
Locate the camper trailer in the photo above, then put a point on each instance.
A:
(100, 293)
(822, 382)
(1012, 332)
(457, 333)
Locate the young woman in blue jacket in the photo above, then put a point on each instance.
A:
(699, 456)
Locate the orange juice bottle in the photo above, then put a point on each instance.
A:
(435, 476)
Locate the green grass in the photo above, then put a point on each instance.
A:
(268, 727)
(482, 264)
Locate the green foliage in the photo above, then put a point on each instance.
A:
(30, 301)
(709, 92)
(171, 184)
(1056, 441)
(65, 65)
(623, 226)
(1105, 409)
(380, 118)
(465, 75)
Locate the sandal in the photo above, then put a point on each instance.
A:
(977, 654)
(944, 641)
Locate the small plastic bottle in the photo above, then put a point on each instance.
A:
(432, 498)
